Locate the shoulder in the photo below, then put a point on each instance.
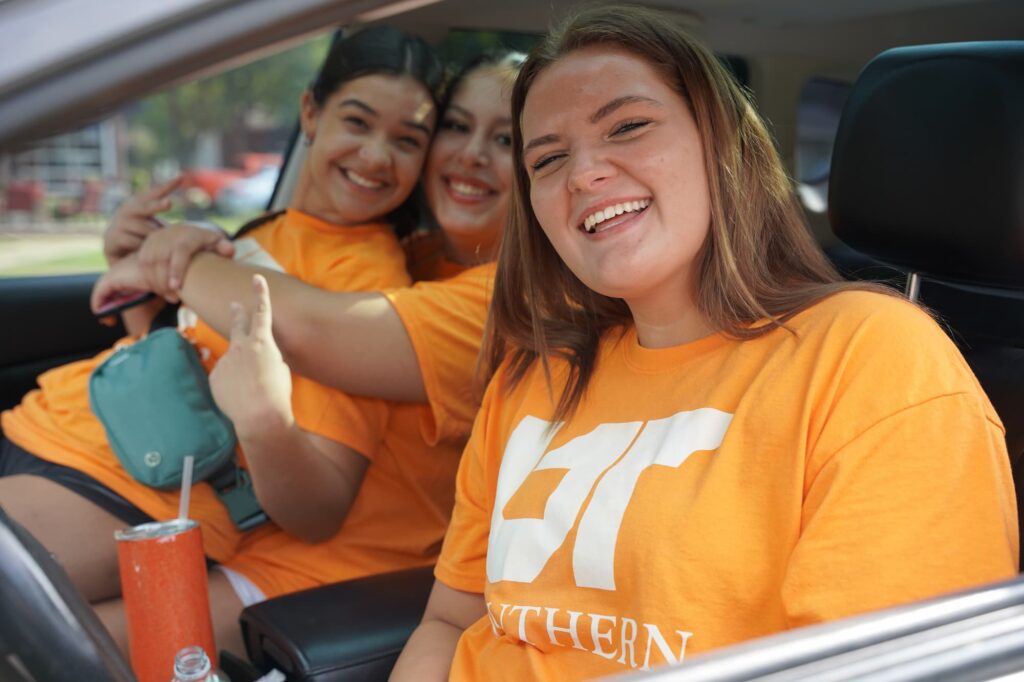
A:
(886, 342)
(869, 317)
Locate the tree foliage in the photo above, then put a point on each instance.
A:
(266, 91)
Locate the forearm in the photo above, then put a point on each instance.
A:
(213, 282)
(353, 341)
(299, 486)
(429, 652)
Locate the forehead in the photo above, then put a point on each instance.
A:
(388, 94)
(487, 89)
(588, 78)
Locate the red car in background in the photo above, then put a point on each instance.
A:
(210, 182)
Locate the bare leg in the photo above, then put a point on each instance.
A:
(225, 608)
(77, 532)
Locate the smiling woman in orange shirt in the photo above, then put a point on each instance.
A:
(695, 433)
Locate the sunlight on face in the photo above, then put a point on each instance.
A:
(369, 141)
(617, 175)
(468, 177)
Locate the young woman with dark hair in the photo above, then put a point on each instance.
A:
(694, 433)
(367, 122)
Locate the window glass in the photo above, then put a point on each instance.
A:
(821, 103)
(225, 134)
(460, 46)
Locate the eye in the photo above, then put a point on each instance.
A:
(504, 139)
(410, 142)
(543, 161)
(453, 125)
(357, 122)
(627, 126)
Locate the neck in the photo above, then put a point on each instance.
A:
(306, 199)
(472, 249)
(673, 323)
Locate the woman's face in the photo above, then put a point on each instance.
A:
(369, 140)
(617, 177)
(469, 170)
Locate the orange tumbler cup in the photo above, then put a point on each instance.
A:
(166, 599)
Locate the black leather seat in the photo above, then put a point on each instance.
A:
(928, 176)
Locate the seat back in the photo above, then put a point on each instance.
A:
(928, 176)
(47, 630)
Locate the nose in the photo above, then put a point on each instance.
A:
(475, 154)
(588, 171)
(375, 154)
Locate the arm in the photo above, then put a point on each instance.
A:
(353, 341)
(428, 653)
(305, 483)
(909, 509)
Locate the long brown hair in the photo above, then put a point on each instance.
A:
(758, 267)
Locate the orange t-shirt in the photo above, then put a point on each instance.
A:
(55, 422)
(445, 322)
(404, 503)
(722, 490)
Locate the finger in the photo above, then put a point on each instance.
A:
(139, 228)
(225, 247)
(148, 209)
(181, 256)
(185, 249)
(125, 276)
(262, 319)
(157, 277)
(164, 189)
(239, 323)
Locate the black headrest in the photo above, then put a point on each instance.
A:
(928, 165)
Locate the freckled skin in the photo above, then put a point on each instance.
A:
(644, 149)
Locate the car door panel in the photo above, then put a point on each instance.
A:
(47, 322)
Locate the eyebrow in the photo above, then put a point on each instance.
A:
(603, 111)
(359, 104)
(620, 102)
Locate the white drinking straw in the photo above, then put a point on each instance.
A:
(186, 488)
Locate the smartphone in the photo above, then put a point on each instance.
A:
(120, 301)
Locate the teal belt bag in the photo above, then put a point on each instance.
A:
(153, 399)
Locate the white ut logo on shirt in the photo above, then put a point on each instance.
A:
(519, 548)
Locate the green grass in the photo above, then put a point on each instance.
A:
(88, 257)
(80, 262)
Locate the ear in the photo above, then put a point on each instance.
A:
(309, 114)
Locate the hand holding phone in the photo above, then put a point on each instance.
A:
(118, 302)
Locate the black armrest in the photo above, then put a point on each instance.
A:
(342, 632)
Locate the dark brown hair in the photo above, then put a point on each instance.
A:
(758, 267)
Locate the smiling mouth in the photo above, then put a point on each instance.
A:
(468, 190)
(361, 180)
(601, 220)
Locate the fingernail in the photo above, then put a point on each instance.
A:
(173, 282)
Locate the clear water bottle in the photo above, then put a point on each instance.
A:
(191, 664)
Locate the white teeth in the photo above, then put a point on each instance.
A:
(463, 188)
(363, 181)
(591, 222)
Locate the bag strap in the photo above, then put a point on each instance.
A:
(233, 485)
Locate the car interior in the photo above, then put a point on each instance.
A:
(925, 191)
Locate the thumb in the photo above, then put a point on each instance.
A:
(262, 319)
(239, 323)
(225, 247)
